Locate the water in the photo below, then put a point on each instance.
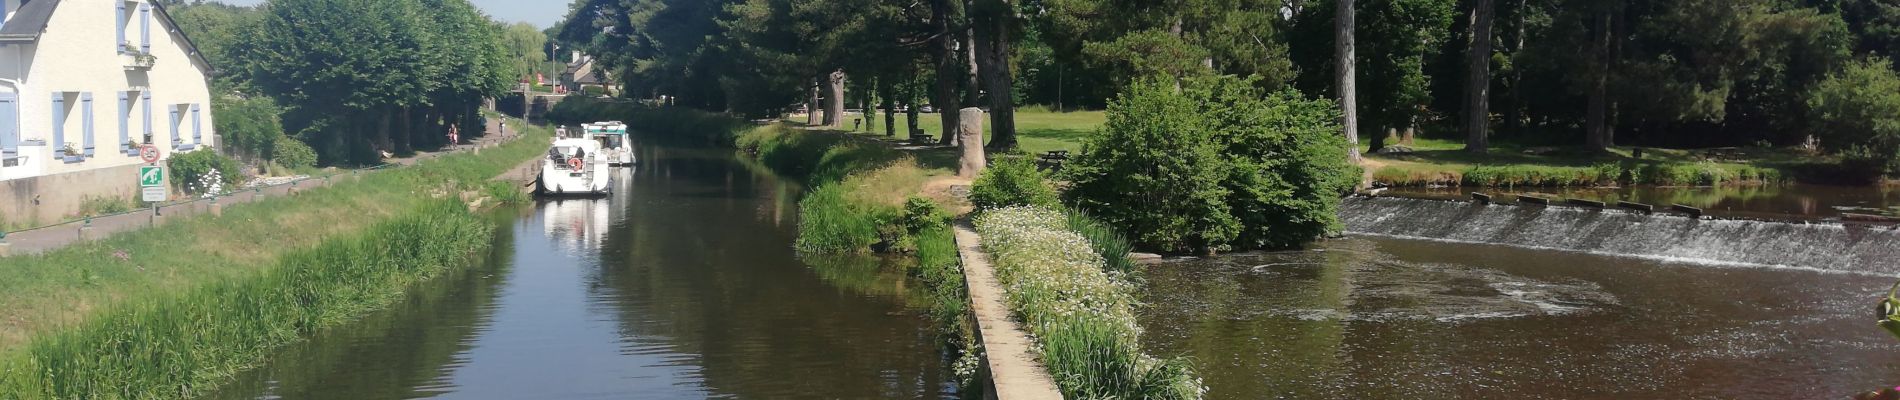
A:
(1796, 201)
(1833, 247)
(681, 285)
(1381, 317)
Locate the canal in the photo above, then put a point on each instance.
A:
(683, 284)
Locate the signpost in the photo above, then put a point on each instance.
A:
(152, 183)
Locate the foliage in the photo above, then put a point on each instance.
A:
(247, 126)
(192, 167)
(1009, 182)
(1156, 170)
(829, 222)
(293, 153)
(1858, 111)
(358, 77)
(1603, 174)
(1081, 314)
(1215, 164)
(1107, 242)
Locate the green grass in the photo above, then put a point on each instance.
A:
(1036, 131)
(184, 345)
(74, 287)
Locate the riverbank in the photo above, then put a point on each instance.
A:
(145, 286)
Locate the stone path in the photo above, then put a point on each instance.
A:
(1014, 371)
(54, 237)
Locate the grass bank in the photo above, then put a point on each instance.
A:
(73, 289)
(1080, 310)
(183, 345)
(1444, 163)
(1037, 129)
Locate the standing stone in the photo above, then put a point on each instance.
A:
(970, 136)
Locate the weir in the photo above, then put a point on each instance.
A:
(1820, 245)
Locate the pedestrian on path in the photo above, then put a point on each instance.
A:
(504, 127)
(454, 137)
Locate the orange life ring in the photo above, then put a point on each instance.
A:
(574, 163)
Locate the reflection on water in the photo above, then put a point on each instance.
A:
(1395, 318)
(1785, 201)
(683, 284)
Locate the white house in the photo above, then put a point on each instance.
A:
(82, 84)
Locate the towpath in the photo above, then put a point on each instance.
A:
(53, 237)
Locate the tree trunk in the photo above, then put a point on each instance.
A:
(1478, 79)
(811, 106)
(973, 84)
(1596, 131)
(949, 70)
(834, 99)
(1002, 102)
(1348, 95)
(890, 108)
(912, 114)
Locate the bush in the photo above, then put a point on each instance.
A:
(1857, 112)
(1011, 181)
(293, 153)
(188, 168)
(247, 126)
(1216, 164)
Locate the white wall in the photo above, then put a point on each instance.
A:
(76, 54)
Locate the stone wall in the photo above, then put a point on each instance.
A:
(52, 198)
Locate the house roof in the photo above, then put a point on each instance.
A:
(583, 73)
(28, 22)
(31, 21)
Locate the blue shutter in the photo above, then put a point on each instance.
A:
(59, 122)
(145, 28)
(118, 46)
(125, 122)
(9, 123)
(145, 100)
(197, 134)
(176, 141)
(85, 111)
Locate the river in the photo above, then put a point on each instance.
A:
(1382, 317)
(683, 284)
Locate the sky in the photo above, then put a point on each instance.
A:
(541, 13)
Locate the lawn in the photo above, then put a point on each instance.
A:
(1037, 131)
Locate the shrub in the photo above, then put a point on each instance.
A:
(188, 168)
(921, 214)
(1215, 164)
(293, 153)
(1858, 110)
(247, 126)
(1011, 181)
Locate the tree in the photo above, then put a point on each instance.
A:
(1478, 80)
(1348, 90)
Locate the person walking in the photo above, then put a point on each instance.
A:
(455, 138)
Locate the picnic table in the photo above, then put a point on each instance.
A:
(1052, 159)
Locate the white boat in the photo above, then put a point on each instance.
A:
(574, 166)
(612, 136)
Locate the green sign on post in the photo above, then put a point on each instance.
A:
(152, 183)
